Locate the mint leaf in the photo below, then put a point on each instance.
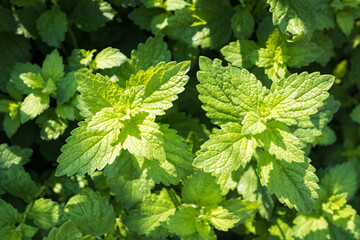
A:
(128, 181)
(196, 192)
(67, 231)
(226, 151)
(108, 58)
(13, 155)
(53, 67)
(90, 15)
(33, 105)
(52, 26)
(45, 213)
(293, 183)
(242, 23)
(152, 212)
(240, 53)
(91, 212)
(183, 221)
(205, 23)
(89, 149)
(9, 215)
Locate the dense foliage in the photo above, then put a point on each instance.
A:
(179, 119)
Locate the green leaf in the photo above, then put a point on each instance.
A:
(231, 212)
(32, 80)
(345, 20)
(177, 165)
(302, 54)
(97, 92)
(162, 85)
(90, 15)
(7, 20)
(91, 212)
(25, 3)
(206, 23)
(66, 88)
(127, 181)
(172, 5)
(226, 151)
(51, 125)
(52, 26)
(280, 142)
(296, 17)
(13, 155)
(23, 68)
(9, 215)
(151, 213)
(141, 137)
(53, 67)
(241, 53)
(242, 23)
(88, 149)
(252, 124)
(109, 58)
(147, 54)
(310, 226)
(250, 188)
(227, 93)
(293, 183)
(33, 105)
(66, 231)
(45, 213)
(297, 97)
(196, 192)
(183, 221)
(11, 125)
(342, 178)
(17, 182)
(355, 114)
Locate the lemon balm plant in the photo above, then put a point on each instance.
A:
(179, 119)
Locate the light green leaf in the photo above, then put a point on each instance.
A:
(242, 23)
(302, 53)
(341, 179)
(9, 214)
(227, 93)
(296, 17)
(18, 70)
(90, 15)
(297, 97)
(293, 183)
(66, 231)
(87, 150)
(53, 67)
(183, 221)
(152, 212)
(241, 53)
(32, 80)
(250, 188)
(226, 151)
(196, 192)
(206, 23)
(13, 155)
(45, 213)
(252, 124)
(172, 5)
(141, 137)
(97, 92)
(178, 163)
(162, 85)
(280, 142)
(310, 225)
(128, 181)
(91, 213)
(109, 58)
(52, 26)
(33, 105)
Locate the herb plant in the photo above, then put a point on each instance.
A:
(179, 119)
